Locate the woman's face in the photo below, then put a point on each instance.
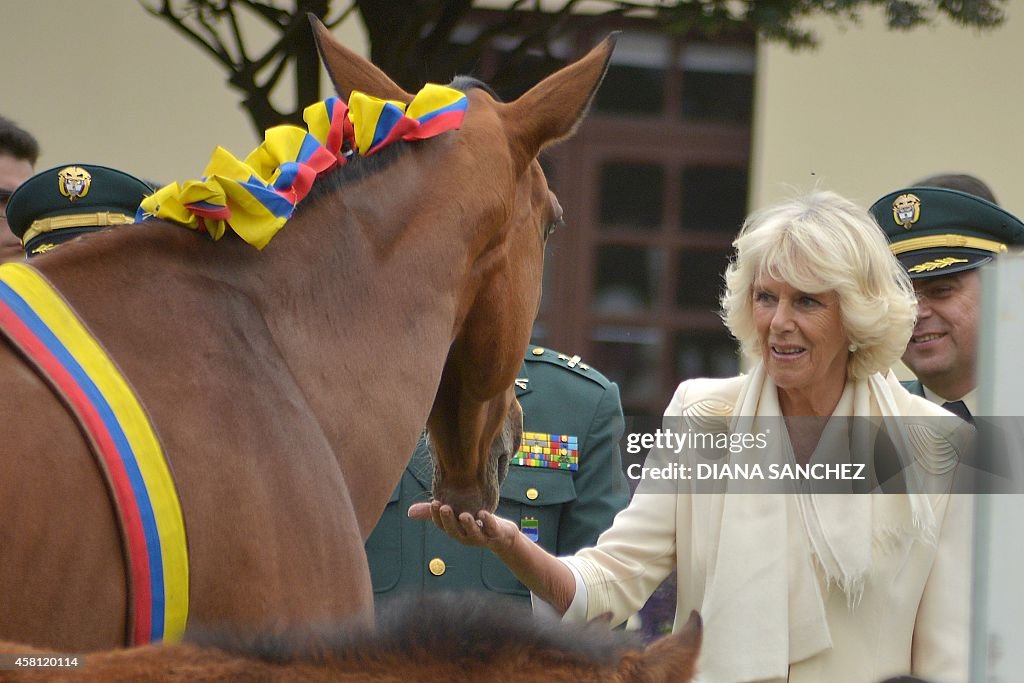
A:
(801, 336)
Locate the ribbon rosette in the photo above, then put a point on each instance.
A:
(256, 197)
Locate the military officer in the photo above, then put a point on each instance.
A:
(66, 201)
(563, 488)
(942, 236)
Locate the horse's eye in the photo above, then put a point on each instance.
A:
(557, 219)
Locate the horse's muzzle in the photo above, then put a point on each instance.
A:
(484, 493)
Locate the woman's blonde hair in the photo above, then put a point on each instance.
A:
(817, 243)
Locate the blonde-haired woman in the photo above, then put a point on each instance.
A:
(797, 586)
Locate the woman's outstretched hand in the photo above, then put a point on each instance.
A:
(541, 572)
(485, 530)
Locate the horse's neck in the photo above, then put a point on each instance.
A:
(365, 319)
(359, 296)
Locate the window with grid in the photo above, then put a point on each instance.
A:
(654, 186)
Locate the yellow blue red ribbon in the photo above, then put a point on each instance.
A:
(38, 321)
(255, 197)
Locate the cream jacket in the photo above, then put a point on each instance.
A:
(910, 616)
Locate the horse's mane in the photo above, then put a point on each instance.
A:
(356, 169)
(360, 167)
(467, 83)
(463, 629)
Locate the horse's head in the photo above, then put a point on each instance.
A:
(501, 220)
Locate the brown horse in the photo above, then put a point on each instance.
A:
(436, 638)
(288, 386)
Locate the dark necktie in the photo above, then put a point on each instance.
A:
(959, 408)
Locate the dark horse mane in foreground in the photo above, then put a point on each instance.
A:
(437, 637)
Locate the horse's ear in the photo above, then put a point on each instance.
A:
(349, 71)
(551, 110)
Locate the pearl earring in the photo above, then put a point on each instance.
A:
(853, 348)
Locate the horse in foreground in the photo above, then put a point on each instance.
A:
(455, 637)
(286, 387)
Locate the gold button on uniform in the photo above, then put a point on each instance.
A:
(538, 351)
(532, 493)
(437, 566)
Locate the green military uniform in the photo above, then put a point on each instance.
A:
(64, 202)
(562, 509)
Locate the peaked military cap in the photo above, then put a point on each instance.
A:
(937, 231)
(66, 201)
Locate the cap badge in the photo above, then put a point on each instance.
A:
(906, 209)
(74, 182)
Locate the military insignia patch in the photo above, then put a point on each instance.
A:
(552, 451)
(530, 528)
(73, 182)
(906, 210)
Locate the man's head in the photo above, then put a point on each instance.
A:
(942, 236)
(18, 153)
(943, 349)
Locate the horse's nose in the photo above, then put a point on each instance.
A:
(468, 501)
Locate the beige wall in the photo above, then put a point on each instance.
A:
(872, 109)
(101, 81)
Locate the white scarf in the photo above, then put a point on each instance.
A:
(763, 593)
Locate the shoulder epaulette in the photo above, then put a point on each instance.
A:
(571, 363)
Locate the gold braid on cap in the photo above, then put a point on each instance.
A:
(933, 241)
(75, 220)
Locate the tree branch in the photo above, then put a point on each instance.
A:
(274, 16)
(178, 23)
(236, 31)
(345, 14)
